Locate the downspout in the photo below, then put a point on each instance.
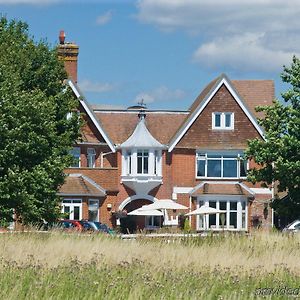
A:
(102, 155)
(190, 209)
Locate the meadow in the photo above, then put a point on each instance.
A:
(62, 266)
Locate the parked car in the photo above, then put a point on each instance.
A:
(70, 225)
(292, 227)
(95, 226)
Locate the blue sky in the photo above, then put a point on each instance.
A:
(166, 51)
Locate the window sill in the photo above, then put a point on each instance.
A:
(223, 129)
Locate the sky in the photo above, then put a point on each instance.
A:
(166, 51)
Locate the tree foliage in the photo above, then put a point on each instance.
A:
(35, 135)
(279, 155)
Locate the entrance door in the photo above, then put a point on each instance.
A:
(93, 210)
(72, 208)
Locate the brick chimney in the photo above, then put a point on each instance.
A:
(68, 52)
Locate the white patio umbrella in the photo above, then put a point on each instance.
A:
(205, 210)
(164, 204)
(142, 212)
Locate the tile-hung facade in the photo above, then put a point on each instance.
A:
(129, 158)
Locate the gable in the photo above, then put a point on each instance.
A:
(204, 99)
(200, 134)
(92, 122)
(89, 132)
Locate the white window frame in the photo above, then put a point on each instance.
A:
(130, 162)
(91, 154)
(144, 154)
(223, 121)
(79, 158)
(204, 200)
(203, 155)
(71, 204)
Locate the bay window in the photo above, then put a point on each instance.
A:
(141, 162)
(232, 216)
(228, 164)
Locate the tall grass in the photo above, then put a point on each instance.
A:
(56, 266)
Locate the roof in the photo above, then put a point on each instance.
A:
(120, 124)
(81, 185)
(141, 137)
(219, 188)
(255, 93)
(116, 126)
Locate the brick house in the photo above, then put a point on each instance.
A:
(132, 157)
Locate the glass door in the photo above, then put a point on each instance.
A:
(72, 208)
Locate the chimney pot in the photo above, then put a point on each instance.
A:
(62, 37)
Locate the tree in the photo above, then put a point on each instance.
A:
(278, 156)
(35, 135)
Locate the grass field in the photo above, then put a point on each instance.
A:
(56, 266)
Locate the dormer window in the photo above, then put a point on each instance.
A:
(223, 120)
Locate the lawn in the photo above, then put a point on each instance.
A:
(57, 266)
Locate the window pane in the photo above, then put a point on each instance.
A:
(214, 168)
(145, 165)
(217, 120)
(233, 205)
(222, 220)
(214, 155)
(139, 165)
(229, 168)
(201, 221)
(76, 212)
(223, 205)
(233, 220)
(243, 205)
(76, 201)
(93, 215)
(157, 221)
(75, 152)
(201, 168)
(243, 168)
(212, 221)
(67, 201)
(243, 220)
(213, 204)
(227, 120)
(67, 212)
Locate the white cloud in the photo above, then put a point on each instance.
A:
(104, 18)
(245, 35)
(160, 94)
(96, 87)
(241, 53)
